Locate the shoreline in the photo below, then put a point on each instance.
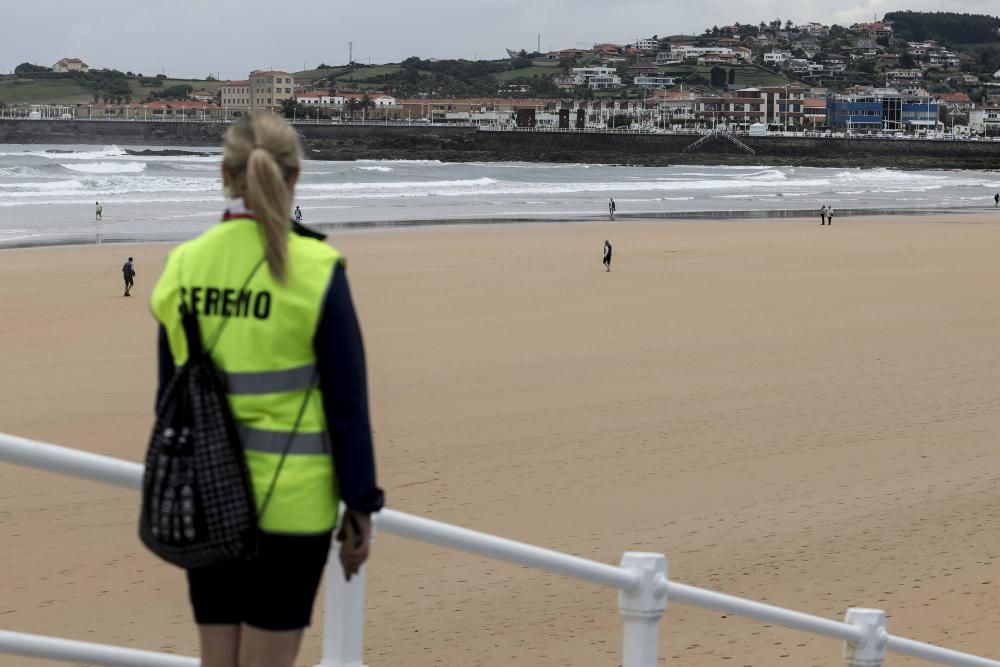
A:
(101, 238)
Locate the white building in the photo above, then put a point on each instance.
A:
(693, 52)
(986, 120)
(776, 57)
(314, 98)
(668, 58)
(587, 72)
(650, 81)
(646, 44)
(604, 82)
(598, 77)
(383, 100)
(71, 65)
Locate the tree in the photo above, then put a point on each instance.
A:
(178, 92)
(718, 77)
(521, 62)
(367, 103)
(866, 66)
(906, 61)
(352, 105)
(789, 25)
(944, 26)
(732, 75)
(290, 108)
(620, 120)
(28, 68)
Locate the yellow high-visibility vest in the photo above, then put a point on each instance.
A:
(266, 355)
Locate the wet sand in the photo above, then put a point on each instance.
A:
(797, 414)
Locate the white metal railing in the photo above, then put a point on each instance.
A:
(641, 580)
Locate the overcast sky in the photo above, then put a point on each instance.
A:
(189, 38)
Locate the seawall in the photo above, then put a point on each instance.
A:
(464, 144)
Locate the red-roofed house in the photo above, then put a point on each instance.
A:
(956, 102)
(71, 65)
(315, 98)
(814, 111)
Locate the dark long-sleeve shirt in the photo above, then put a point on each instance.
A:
(340, 360)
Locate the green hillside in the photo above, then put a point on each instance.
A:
(537, 69)
(37, 91)
(14, 90)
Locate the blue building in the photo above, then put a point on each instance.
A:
(881, 111)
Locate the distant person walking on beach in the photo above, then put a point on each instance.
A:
(822, 215)
(128, 273)
(611, 207)
(996, 200)
(99, 210)
(607, 255)
(298, 215)
(292, 352)
(829, 215)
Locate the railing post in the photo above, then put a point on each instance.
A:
(344, 613)
(643, 607)
(870, 651)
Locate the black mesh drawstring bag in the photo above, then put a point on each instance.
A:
(198, 504)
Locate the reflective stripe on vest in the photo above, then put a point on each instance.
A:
(274, 442)
(267, 360)
(270, 382)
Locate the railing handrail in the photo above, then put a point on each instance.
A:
(71, 650)
(118, 472)
(109, 470)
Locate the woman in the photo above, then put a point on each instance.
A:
(291, 354)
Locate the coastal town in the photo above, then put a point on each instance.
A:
(910, 74)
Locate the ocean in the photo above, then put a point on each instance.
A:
(48, 192)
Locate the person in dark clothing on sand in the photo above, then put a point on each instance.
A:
(822, 215)
(128, 273)
(611, 207)
(607, 255)
(996, 200)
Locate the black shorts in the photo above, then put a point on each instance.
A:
(273, 591)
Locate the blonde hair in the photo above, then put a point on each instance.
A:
(261, 155)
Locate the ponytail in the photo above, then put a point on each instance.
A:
(270, 198)
(261, 157)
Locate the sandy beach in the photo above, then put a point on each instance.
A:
(797, 414)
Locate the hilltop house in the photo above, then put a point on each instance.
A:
(71, 65)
